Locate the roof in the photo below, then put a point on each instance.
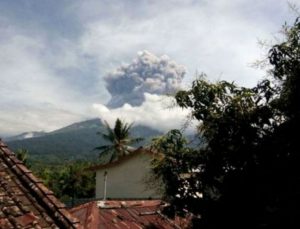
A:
(113, 214)
(134, 152)
(24, 200)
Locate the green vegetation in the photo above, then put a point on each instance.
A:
(119, 139)
(75, 142)
(246, 175)
(70, 181)
(22, 155)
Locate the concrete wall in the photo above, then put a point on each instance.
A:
(127, 179)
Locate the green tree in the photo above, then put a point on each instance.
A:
(76, 181)
(283, 145)
(119, 139)
(246, 175)
(176, 165)
(70, 181)
(22, 155)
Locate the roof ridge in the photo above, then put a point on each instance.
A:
(121, 159)
(41, 193)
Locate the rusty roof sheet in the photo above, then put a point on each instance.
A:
(124, 214)
(24, 201)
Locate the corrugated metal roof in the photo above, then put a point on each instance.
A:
(24, 201)
(137, 214)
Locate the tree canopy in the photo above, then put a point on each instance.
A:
(69, 181)
(119, 140)
(246, 175)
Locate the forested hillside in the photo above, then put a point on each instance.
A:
(74, 142)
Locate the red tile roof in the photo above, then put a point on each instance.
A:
(24, 201)
(124, 214)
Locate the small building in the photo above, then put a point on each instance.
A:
(137, 214)
(25, 202)
(126, 178)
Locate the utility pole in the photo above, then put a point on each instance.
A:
(105, 181)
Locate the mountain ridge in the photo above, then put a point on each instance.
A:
(25, 135)
(73, 142)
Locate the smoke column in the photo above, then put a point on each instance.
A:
(147, 73)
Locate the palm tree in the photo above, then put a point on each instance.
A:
(120, 140)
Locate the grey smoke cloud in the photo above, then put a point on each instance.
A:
(146, 74)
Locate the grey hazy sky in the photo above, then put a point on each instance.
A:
(55, 54)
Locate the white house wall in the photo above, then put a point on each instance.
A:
(126, 179)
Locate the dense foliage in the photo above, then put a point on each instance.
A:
(70, 181)
(246, 175)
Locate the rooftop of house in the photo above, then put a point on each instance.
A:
(24, 200)
(133, 214)
(133, 153)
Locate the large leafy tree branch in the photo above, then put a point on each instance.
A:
(248, 169)
(178, 172)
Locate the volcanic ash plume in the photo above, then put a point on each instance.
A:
(146, 74)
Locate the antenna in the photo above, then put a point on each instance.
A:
(105, 181)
